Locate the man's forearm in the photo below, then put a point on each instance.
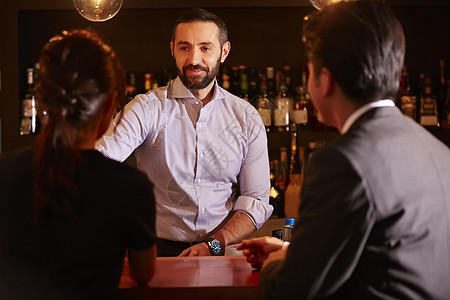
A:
(238, 227)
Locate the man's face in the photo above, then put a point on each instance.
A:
(197, 53)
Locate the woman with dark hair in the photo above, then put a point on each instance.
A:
(67, 213)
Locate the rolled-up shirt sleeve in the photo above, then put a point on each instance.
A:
(254, 177)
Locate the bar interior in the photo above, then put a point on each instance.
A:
(267, 54)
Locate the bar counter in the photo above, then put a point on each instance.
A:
(203, 277)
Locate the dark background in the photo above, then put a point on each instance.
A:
(264, 34)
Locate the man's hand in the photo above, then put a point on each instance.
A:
(257, 250)
(200, 249)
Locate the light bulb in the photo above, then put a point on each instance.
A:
(98, 10)
(320, 4)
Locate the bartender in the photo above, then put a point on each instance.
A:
(204, 149)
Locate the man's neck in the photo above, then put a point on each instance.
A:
(205, 95)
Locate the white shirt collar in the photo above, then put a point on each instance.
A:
(360, 111)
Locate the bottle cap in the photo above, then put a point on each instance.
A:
(289, 221)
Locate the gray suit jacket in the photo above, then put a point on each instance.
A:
(374, 222)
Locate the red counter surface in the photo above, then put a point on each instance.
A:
(224, 277)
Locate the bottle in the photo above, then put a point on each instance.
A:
(130, 91)
(275, 194)
(271, 84)
(148, 81)
(445, 115)
(402, 86)
(302, 109)
(408, 102)
(442, 87)
(288, 78)
(282, 175)
(283, 106)
(225, 78)
(428, 106)
(253, 85)
(243, 82)
(293, 190)
(288, 228)
(28, 123)
(235, 81)
(264, 106)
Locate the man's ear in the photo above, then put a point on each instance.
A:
(327, 82)
(171, 48)
(225, 51)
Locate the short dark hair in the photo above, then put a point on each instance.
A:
(361, 43)
(199, 14)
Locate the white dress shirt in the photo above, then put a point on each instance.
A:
(197, 157)
(360, 111)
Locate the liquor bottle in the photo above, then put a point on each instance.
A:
(302, 108)
(253, 85)
(235, 81)
(288, 78)
(408, 103)
(283, 169)
(148, 81)
(130, 91)
(275, 194)
(402, 86)
(428, 106)
(225, 79)
(441, 89)
(263, 104)
(306, 100)
(271, 84)
(283, 104)
(445, 115)
(442, 86)
(243, 82)
(29, 120)
(293, 190)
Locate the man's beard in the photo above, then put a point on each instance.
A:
(198, 82)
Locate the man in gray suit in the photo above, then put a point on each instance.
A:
(375, 211)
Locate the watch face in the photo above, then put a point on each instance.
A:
(216, 247)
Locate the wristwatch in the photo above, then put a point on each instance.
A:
(215, 247)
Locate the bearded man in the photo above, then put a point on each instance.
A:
(204, 149)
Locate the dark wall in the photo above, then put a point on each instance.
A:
(260, 36)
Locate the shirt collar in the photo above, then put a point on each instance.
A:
(179, 90)
(363, 109)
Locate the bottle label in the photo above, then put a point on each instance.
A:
(428, 120)
(25, 126)
(266, 115)
(300, 116)
(281, 116)
(28, 108)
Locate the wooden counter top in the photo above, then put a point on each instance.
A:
(225, 277)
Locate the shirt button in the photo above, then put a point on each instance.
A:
(203, 209)
(199, 180)
(201, 154)
(196, 102)
(200, 125)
